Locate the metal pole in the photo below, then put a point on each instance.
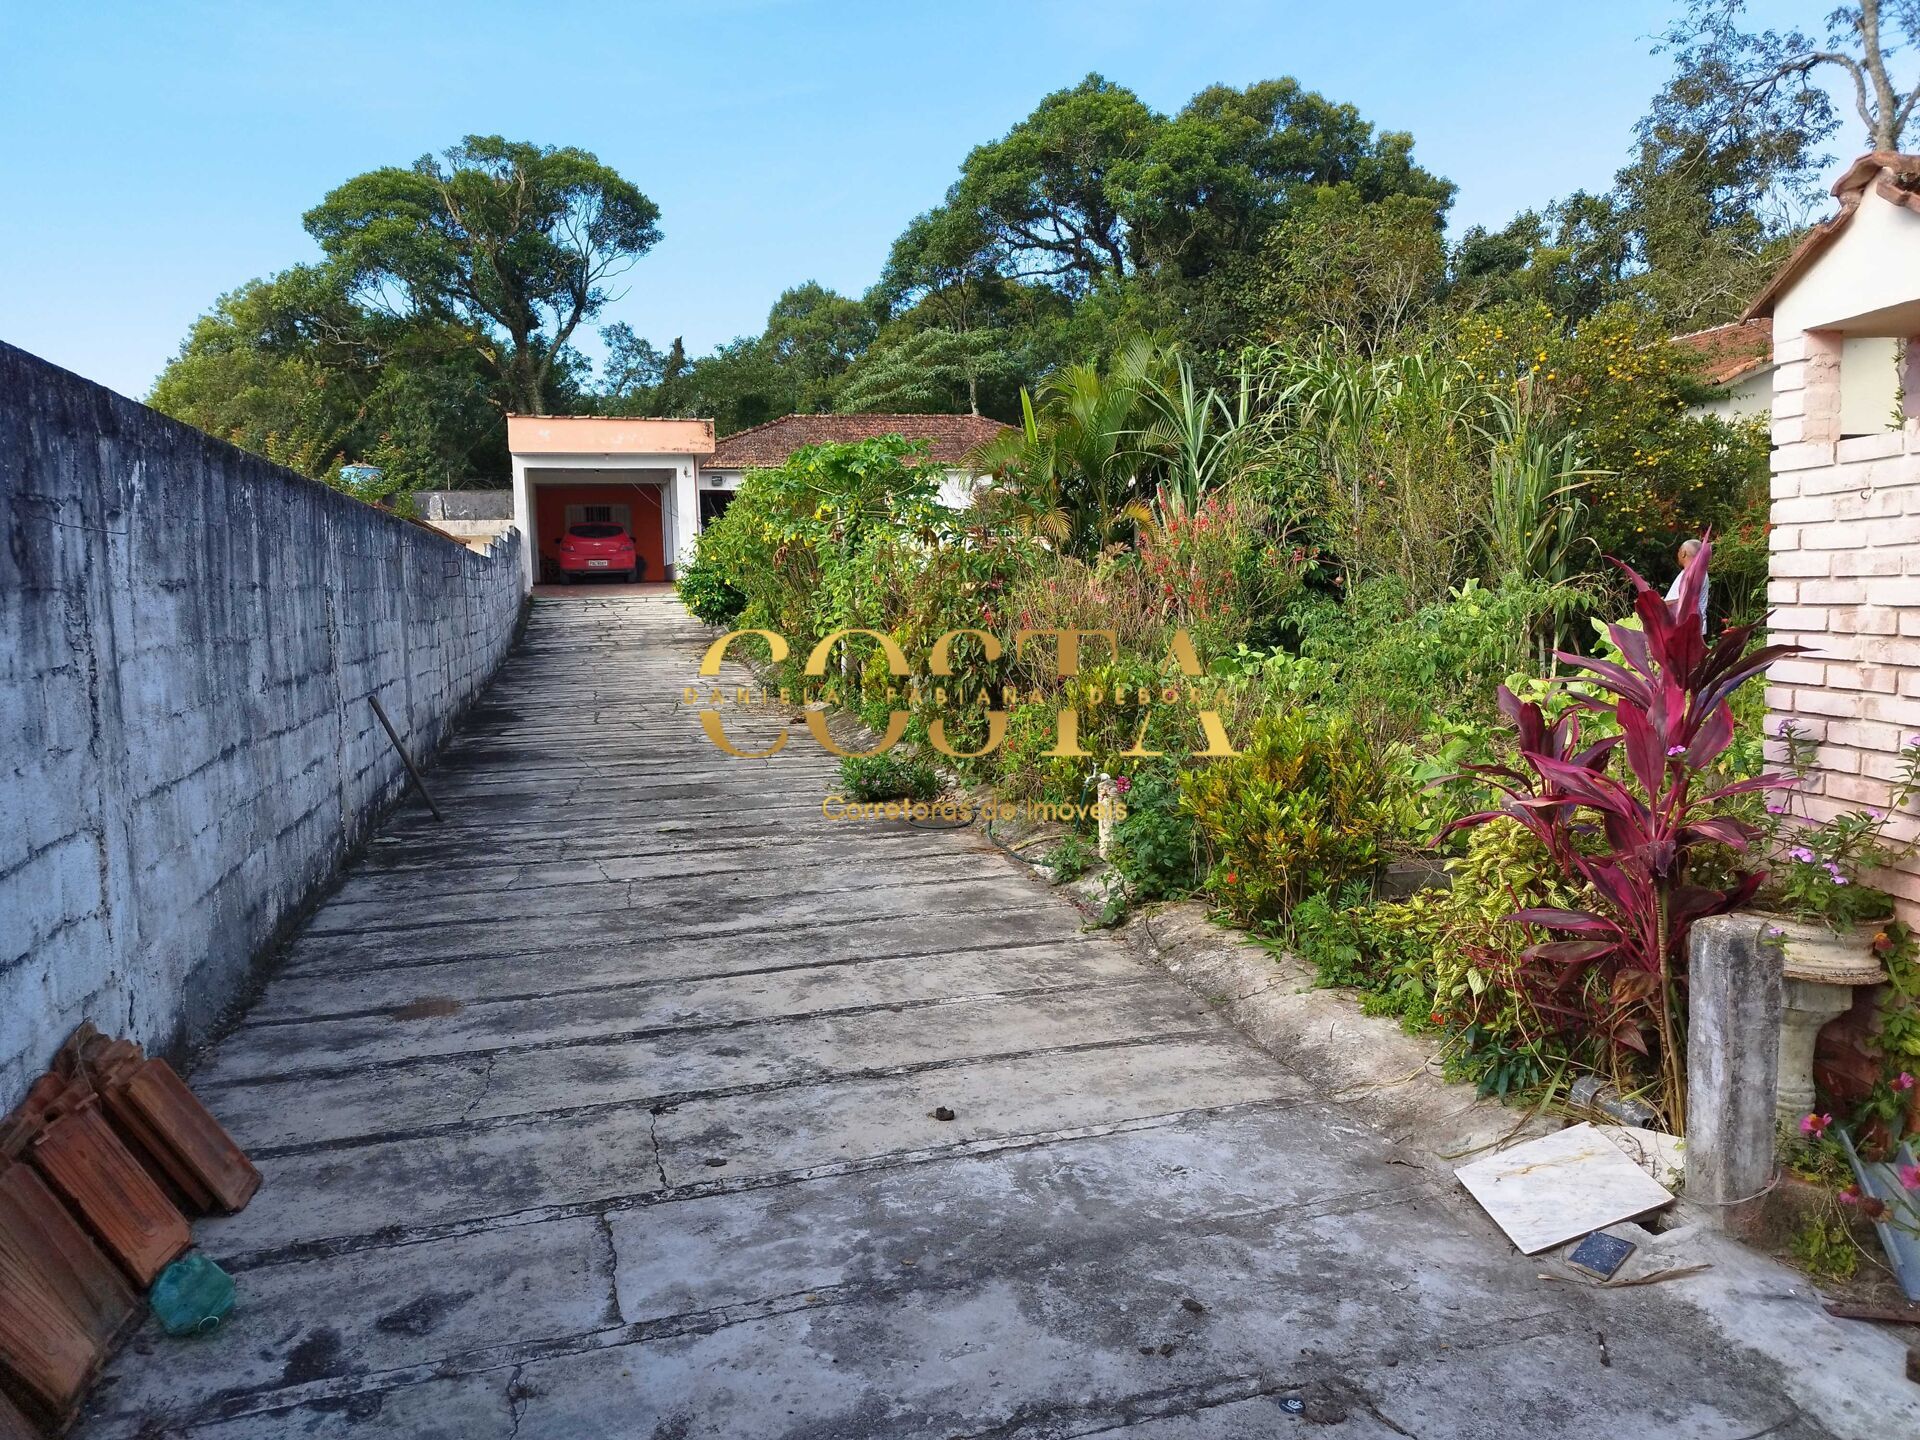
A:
(405, 759)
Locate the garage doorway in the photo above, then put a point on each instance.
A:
(635, 506)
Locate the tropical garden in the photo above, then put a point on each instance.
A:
(1401, 502)
(1399, 491)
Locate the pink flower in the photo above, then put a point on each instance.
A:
(1850, 1195)
(1905, 1082)
(1673, 750)
(1814, 1126)
(1774, 807)
(1802, 854)
(1909, 1176)
(1121, 784)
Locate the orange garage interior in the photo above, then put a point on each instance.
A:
(633, 505)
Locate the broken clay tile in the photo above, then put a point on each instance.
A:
(159, 1159)
(14, 1425)
(99, 1294)
(47, 1352)
(198, 1143)
(88, 1167)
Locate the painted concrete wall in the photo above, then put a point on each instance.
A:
(1845, 581)
(188, 637)
(438, 505)
(1864, 282)
(1748, 398)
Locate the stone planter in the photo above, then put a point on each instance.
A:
(1821, 967)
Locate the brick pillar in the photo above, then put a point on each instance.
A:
(1806, 392)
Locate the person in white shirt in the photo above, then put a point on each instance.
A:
(1688, 549)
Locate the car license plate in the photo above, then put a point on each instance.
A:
(598, 564)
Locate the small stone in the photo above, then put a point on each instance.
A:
(1192, 1306)
(942, 1113)
(714, 1162)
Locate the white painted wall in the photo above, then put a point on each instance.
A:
(1748, 398)
(1867, 271)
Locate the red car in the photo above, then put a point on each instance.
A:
(598, 548)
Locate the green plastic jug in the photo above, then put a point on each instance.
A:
(192, 1295)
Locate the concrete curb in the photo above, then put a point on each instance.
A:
(1366, 1064)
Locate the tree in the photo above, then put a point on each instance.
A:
(515, 243)
(813, 334)
(914, 371)
(294, 369)
(1040, 197)
(1340, 262)
(1217, 177)
(794, 366)
(1739, 80)
(1078, 455)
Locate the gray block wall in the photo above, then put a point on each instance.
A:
(188, 637)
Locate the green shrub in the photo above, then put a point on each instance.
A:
(1308, 806)
(1153, 847)
(888, 777)
(1071, 858)
(704, 590)
(1329, 933)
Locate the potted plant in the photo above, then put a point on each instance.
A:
(1830, 924)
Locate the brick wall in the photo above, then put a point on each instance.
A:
(190, 636)
(1845, 580)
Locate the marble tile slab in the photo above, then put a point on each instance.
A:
(1561, 1186)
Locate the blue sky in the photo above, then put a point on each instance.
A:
(157, 155)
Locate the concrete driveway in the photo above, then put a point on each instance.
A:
(606, 1109)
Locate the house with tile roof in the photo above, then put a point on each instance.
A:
(1737, 361)
(662, 480)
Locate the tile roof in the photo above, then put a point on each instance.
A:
(952, 437)
(1894, 177)
(1729, 351)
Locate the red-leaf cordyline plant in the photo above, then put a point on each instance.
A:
(1631, 843)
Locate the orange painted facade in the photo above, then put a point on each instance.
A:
(607, 435)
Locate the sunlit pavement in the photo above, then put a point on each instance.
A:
(608, 1108)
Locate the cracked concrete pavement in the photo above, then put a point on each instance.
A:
(605, 1109)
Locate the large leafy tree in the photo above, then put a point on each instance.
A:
(1094, 188)
(1043, 199)
(514, 243)
(1217, 177)
(294, 369)
(813, 334)
(1339, 262)
(796, 365)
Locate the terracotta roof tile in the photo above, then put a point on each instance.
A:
(1895, 178)
(952, 437)
(1729, 351)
